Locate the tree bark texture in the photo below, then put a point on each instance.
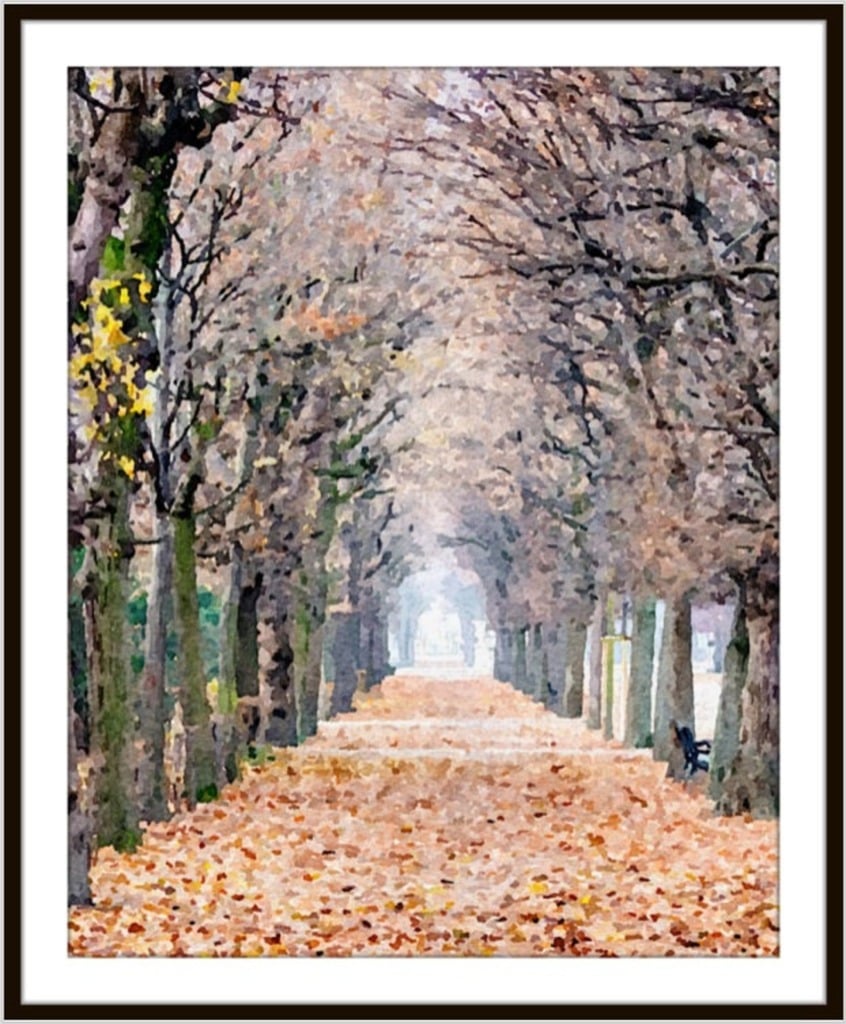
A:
(246, 650)
(504, 654)
(229, 631)
(752, 784)
(152, 708)
(727, 732)
(674, 695)
(109, 676)
(609, 650)
(594, 709)
(80, 826)
(374, 643)
(80, 823)
(520, 669)
(307, 647)
(574, 679)
(346, 654)
(235, 724)
(278, 678)
(200, 772)
(555, 666)
(535, 660)
(638, 728)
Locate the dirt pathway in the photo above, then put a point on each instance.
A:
(443, 818)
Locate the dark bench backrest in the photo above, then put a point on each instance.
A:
(692, 749)
(686, 739)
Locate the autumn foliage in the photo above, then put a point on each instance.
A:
(443, 818)
(330, 330)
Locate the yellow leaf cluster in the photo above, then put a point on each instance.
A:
(103, 369)
(101, 81)
(144, 286)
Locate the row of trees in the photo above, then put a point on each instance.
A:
(227, 367)
(634, 215)
(322, 322)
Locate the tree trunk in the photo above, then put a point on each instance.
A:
(367, 650)
(609, 650)
(78, 665)
(93, 665)
(153, 781)
(727, 733)
(107, 187)
(239, 666)
(310, 612)
(468, 639)
(281, 727)
(535, 670)
(638, 731)
(752, 784)
(229, 631)
(153, 714)
(594, 711)
(382, 667)
(504, 655)
(674, 696)
(200, 774)
(385, 666)
(80, 825)
(574, 680)
(374, 642)
(317, 653)
(117, 813)
(555, 667)
(406, 638)
(346, 629)
(346, 654)
(307, 647)
(520, 668)
(79, 818)
(246, 651)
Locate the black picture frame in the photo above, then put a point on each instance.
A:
(16, 16)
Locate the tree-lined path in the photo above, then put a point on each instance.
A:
(371, 369)
(442, 817)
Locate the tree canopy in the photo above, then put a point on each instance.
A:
(326, 327)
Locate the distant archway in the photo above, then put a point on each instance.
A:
(438, 633)
(439, 624)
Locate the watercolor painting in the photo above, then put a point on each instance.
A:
(423, 560)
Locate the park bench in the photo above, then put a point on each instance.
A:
(693, 750)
